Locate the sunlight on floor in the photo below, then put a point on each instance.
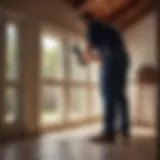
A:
(91, 130)
(74, 145)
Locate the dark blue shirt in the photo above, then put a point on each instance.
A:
(105, 38)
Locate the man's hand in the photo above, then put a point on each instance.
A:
(86, 58)
(88, 55)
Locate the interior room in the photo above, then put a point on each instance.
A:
(50, 104)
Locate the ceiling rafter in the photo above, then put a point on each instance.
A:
(122, 10)
(137, 10)
(136, 18)
(105, 8)
(121, 13)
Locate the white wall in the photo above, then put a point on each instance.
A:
(141, 44)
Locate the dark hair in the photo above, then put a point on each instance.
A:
(76, 3)
(87, 16)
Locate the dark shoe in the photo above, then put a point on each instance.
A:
(104, 138)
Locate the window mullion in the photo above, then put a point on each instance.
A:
(2, 66)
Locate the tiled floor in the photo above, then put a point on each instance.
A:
(74, 145)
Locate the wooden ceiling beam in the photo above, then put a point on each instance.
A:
(117, 5)
(136, 18)
(135, 11)
(114, 15)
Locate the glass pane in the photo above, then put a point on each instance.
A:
(94, 72)
(78, 72)
(52, 57)
(97, 102)
(12, 52)
(11, 105)
(52, 104)
(78, 103)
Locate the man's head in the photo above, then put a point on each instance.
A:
(87, 18)
(77, 4)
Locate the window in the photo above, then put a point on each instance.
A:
(52, 77)
(52, 104)
(78, 103)
(59, 89)
(11, 73)
(78, 72)
(94, 72)
(97, 103)
(11, 104)
(12, 53)
(52, 57)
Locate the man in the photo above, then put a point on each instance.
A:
(114, 63)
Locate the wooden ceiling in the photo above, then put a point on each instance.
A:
(122, 13)
(101, 7)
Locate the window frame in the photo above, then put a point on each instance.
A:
(68, 83)
(17, 126)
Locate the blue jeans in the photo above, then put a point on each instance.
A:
(113, 84)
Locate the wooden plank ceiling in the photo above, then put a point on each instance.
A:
(122, 13)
